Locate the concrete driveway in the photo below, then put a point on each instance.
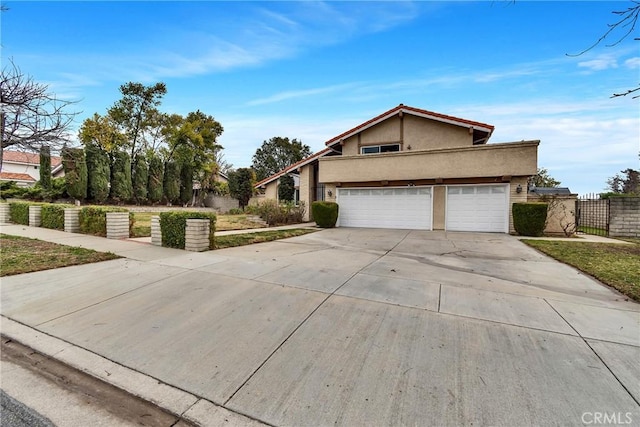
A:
(357, 327)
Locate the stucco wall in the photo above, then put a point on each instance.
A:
(561, 214)
(439, 197)
(30, 170)
(306, 189)
(271, 190)
(221, 203)
(513, 159)
(423, 134)
(387, 131)
(515, 197)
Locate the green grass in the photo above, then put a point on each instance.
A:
(22, 255)
(592, 230)
(259, 237)
(617, 265)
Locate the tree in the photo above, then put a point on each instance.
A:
(136, 113)
(121, 186)
(625, 182)
(99, 172)
(241, 185)
(45, 167)
(286, 189)
(171, 182)
(155, 182)
(276, 154)
(75, 172)
(186, 182)
(31, 115)
(102, 132)
(543, 179)
(140, 179)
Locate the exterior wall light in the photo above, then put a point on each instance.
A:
(519, 189)
(330, 193)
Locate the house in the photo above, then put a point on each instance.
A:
(416, 169)
(24, 167)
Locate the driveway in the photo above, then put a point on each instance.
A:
(357, 327)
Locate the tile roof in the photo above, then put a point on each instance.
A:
(13, 156)
(293, 167)
(12, 176)
(416, 111)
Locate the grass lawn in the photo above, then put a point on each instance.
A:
(22, 255)
(592, 230)
(613, 264)
(259, 237)
(142, 225)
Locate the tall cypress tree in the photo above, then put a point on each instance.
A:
(98, 173)
(121, 187)
(186, 183)
(172, 182)
(75, 172)
(45, 167)
(155, 182)
(140, 179)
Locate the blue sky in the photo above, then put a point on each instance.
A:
(311, 70)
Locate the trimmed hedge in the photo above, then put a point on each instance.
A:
(529, 218)
(93, 219)
(53, 216)
(325, 214)
(19, 212)
(174, 223)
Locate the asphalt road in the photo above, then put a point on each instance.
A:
(16, 414)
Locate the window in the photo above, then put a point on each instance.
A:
(375, 149)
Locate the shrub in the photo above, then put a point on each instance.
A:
(45, 166)
(280, 214)
(19, 212)
(325, 214)
(93, 219)
(121, 186)
(10, 190)
(235, 211)
(172, 182)
(140, 180)
(99, 172)
(529, 218)
(53, 216)
(173, 225)
(186, 183)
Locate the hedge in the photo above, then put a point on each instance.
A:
(53, 216)
(19, 212)
(529, 218)
(93, 219)
(174, 223)
(325, 214)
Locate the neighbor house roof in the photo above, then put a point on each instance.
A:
(549, 191)
(484, 128)
(293, 167)
(12, 176)
(26, 158)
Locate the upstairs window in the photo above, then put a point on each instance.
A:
(375, 149)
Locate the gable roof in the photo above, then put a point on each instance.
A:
(26, 158)
(293, 167)
(12, 176)
(485, 130)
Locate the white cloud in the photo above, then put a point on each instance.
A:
(603, 62)
(633, 62)
(286, 95)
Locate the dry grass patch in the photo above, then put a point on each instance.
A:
(22, 255)
(142, 224)
(617, 265)
(259, 237)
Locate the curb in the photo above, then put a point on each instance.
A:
(178, 402)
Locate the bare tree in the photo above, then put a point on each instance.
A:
(30, 115)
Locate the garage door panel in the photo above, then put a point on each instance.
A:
(477, 208)
(385, 208)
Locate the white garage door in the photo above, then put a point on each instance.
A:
(408, 208)
(477, 208)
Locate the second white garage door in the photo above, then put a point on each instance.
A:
(408, 208)
(477, 208)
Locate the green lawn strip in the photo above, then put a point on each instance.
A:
(232, 240)
(22, 255)
(616, 265)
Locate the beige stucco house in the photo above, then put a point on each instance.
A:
(416, 169)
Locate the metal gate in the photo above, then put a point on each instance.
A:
(592, 215)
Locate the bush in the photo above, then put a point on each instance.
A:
(57, 190)
(235, 211)
(529, 218)
(173, 225)
(10, 190)
(280, 214)
(19, 212)
(93, 219)
(53, 216)
(325, 214)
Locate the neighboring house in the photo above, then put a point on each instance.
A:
(416, 169)
(24, 168)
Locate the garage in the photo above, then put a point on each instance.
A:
(477, 208)
(406, 207)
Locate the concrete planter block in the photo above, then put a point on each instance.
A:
(156, 232)
(5, 213)
(117, 225)
(35, 216)
(196, 238)
(72, 220)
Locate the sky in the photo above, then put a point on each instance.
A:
(312, 70)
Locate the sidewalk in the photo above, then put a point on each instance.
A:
(577, 238)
